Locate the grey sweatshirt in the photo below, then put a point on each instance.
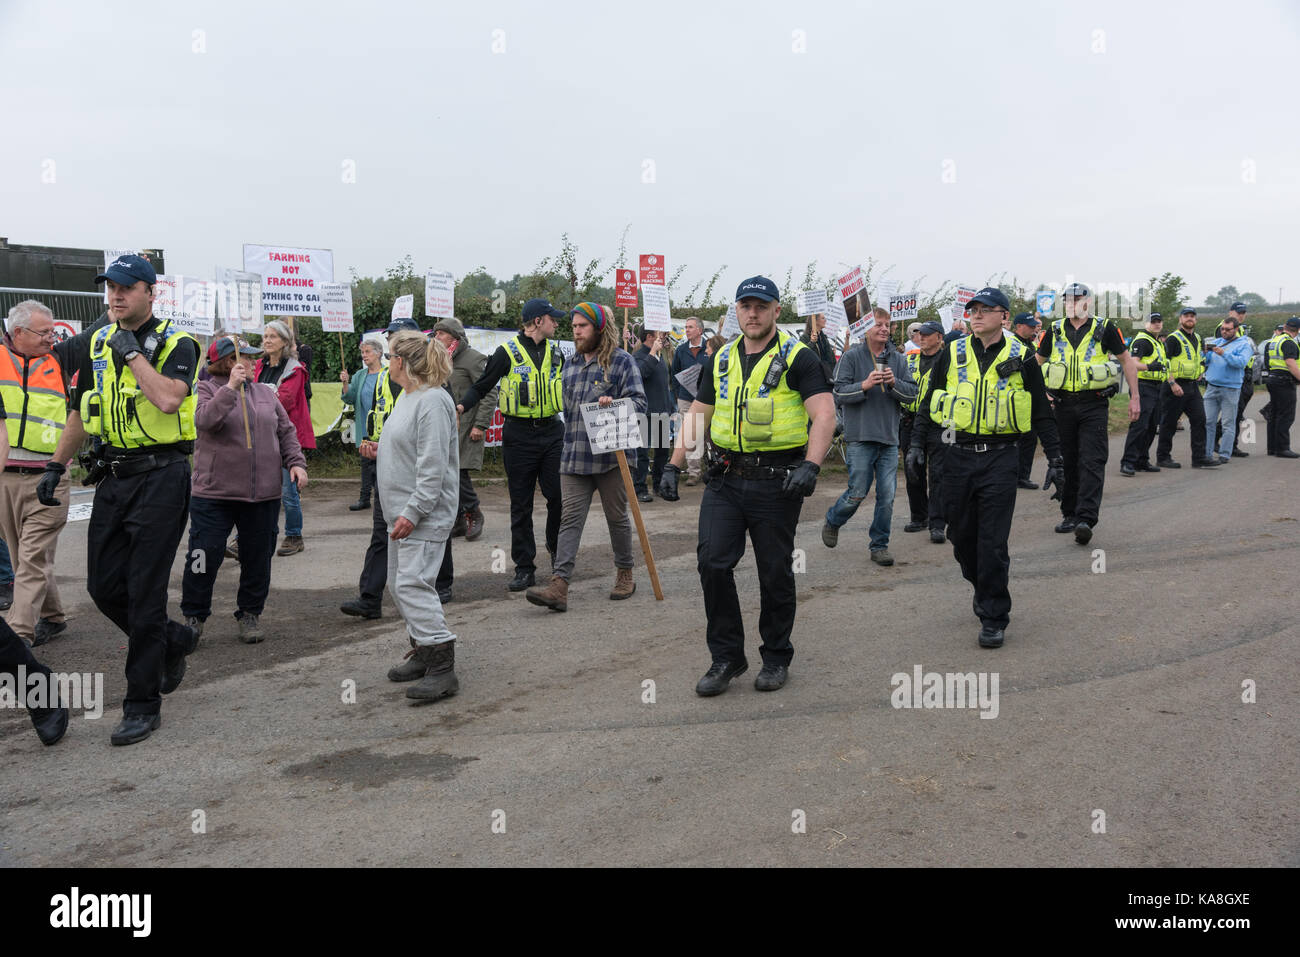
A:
(418, 467)
(871, 416)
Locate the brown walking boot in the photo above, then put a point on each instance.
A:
(554, 595)
(624, 586)
(473, 524)
(440, 680)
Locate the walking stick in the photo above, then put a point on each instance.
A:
(640, 525)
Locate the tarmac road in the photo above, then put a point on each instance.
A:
(1118, 692)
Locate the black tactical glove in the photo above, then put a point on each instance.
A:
(914, 464)
(801, 480)
(123, 343)
(49, 484)
(668, 483)
(1055, 476)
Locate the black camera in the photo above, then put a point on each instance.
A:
(1010, 367)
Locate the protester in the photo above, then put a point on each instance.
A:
(359, 392)
(711, 348)
(34, 403)
(467, 367)
(1226, 358)
(279, 367)
(913, 343)
(245, 438)
(814, 337)
(690, 353)
(419, 487)
(600, 372)
(659, 407)
(872, 381)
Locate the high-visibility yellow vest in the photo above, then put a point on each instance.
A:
(988, 404)
(116, 409)
(382, 406)
(1157, 355)
(1273, 361)
(528, 392)
(35, 401)
(751, 415)
(1189, 363)
(1080, 369)
(921, 379)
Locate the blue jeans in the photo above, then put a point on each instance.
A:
(292, 506)
(1221, 409)
(6, 566)
(868, 461)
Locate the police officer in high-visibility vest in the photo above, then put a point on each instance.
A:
(983, 393)
(1027, 328)
(1081, 377)
(135, 393)
(925, 502)
(1149, 354)
(766, 406)
(1181, 394)
(531, 398)
(1282, 371)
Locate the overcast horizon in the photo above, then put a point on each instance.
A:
(1091, 141)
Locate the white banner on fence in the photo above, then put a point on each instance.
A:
(654, 308)
(289, 277)
(439, 295)
(239, 301)
(336, 306)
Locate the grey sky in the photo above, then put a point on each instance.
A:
(1111, 166)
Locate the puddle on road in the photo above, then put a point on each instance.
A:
(367, 769)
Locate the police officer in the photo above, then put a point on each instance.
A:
(1282, 368)
(1080, 379)
(530, 400)
(1025, 328)
(756, 398)
(135, 392)
(985, 389)
(1185, 364)
(925, 502)
(1149, 355)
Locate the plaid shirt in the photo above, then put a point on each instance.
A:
(586, 382)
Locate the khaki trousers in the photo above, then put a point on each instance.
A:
(31, 530)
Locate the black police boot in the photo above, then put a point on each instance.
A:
(920, 526)
(360, 609)
(1083, 533)
(771, 677)
(719, 675)
(50, 723)
(1027, 484)
(991, 637)
(1067, 525)
(1168, 464)
(1205, 463)
(522, 580)
(1125, 469)
(135, 728)
(187, 640)
(1148, 467)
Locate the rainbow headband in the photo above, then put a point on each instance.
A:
(595, 312)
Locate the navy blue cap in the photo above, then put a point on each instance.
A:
(1155, 317)
(397, 325)
(1075, 290)
(1237, 307)
(1189, 311)
(129, 270)
(930, 328)
(991, 296)
(1293, 322)
(1026, 319)
(536, 308)
(759, 287)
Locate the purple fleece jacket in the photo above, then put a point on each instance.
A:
(225, 466)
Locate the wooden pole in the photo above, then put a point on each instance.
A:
(640, 525)
(625, 326)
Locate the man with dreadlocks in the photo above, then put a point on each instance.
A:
(599, 372)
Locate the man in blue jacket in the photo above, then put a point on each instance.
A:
(1225, 367)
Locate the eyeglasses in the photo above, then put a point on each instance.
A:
(48, 334)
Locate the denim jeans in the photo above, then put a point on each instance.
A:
(6, 567)
(1221, 409)
(869, 461)
(292, 506)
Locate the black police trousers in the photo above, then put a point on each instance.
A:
(731, 507)
(979, 498)
(1171, 408)
(1137, 446)
(14, 652)
(374, 569)
(1082, 423)
(925, 505)
(1028, 442)
(135, 526)
(532, 457)
(1281, 397)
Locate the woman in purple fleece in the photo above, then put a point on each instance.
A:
(245, 438)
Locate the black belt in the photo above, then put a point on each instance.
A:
(531, 423)
(1280, 378)
(24, 470)
(985, 446)
(127, 465)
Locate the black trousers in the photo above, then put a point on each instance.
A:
(732, 507)
(925, 504)
(643, 466)
(1247, 393)
(1137, 446)
(211, 520)
(1082, 425)
(1281, 396)
(532, 458)
(367, 479)
(979, 498)
(468, 497)
(1028, 442)
(374, 568)
(1171, 408)
(14, 652)
(135, 526)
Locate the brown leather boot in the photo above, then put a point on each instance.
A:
(473, 524)
(555, 595)
(624, 586)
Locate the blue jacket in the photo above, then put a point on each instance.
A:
(1227, 370)
(683, 360)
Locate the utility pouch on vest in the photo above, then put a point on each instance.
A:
(1054, 374)
(525, 393)
(1007, 410)
(92, 415)
(1101, 375)
(760, 413)
(370, 422)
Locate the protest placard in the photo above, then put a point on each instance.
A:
(67, 328)
(239, 300)
(853, 294)
(810, 302)
(439, 295)
(289, 277)
(336, 306)
(690, 377)
(652, 270)
(654, 307)
(404, 307)
(625, 289)
(198, 306)
(1046, 302)
(730, 324)
(612, 427)
(836, 321)
(902, 308)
